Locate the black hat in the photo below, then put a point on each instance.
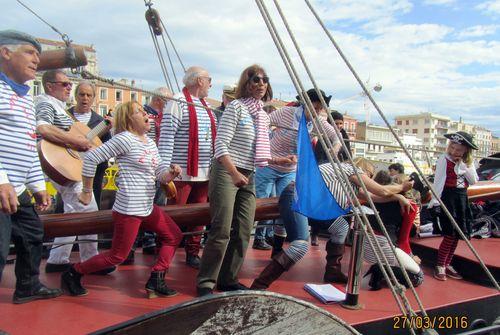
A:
(461, 137)
(15, 37)
(314, 96)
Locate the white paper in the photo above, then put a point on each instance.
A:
(326, 293)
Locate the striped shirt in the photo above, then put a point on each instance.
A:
(83, 117)
(19, 163)
(174, 137)
(236, 136)
(51, 111)
(334, 182)
(140, 166)
(284, 141)
(154, 122)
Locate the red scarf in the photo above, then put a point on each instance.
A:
(192, 161)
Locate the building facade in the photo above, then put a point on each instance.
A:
(427, 126)
(482, 136)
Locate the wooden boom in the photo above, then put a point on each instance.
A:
(59, 59)
(56, 225)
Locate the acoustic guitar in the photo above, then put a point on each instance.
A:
(64, 165)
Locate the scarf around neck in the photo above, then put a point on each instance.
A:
(261, 121)
(192, 161)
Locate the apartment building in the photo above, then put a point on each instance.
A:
(427, 126)
(482, 136)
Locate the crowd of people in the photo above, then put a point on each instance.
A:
(227, 159)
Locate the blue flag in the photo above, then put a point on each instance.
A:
(312, 197)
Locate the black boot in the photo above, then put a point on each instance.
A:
(71, 283)
(415, 278)
(376, 278)
(333, 268)
(279, 264)
(277, 245)
(156, 286)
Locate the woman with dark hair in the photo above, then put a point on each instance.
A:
(242, 143)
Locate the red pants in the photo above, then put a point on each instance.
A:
(404, 232)
(192, 193)
(125, 232)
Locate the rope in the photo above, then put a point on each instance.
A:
(419, 171)
(293, 76)
(173, 46)
(170, 61)
(160, 59)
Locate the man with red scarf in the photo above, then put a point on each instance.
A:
(187, 135)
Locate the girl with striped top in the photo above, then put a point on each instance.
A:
(140, 165)
(297, 226)
(242, 143)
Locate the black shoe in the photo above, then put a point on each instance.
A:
(156, 287)
(232, 287)
(52, 268)
(105, 271)
(203, 291)
(70, 282)
(193, 261)
(376, 278)
(42, 293)
(149, 250)
(270, 240)
(261, 245)
(130, 258)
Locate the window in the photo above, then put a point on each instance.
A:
(103, 94)
(118, 95)
(415, 121)
(37, 88)
(407, 131)
(426, 131)
(399, 123)
(414, 131)
(133, 96)
(407, 122)
(103, 109)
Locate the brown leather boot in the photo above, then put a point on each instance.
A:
(333, 268)
(279, 264)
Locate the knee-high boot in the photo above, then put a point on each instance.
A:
(279, 264)
(277, 245)
(333, 268)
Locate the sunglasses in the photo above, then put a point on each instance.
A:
(257, 79)
(63, 83)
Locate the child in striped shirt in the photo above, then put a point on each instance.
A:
(140, 166)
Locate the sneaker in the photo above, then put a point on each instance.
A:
(193, 261)
(151, 250)
(261, 245)
(452, 273)
(440, 273)
(52, 268)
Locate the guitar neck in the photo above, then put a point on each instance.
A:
(98, 130)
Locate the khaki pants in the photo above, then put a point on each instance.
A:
(230, 207)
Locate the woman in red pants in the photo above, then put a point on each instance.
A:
(140, 165)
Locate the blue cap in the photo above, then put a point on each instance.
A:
(14, 37)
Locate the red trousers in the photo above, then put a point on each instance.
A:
(404, 232)
(125, 232)
(192, 193)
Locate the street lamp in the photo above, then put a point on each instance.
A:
(376, 88)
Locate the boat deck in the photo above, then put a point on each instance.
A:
(120, 296)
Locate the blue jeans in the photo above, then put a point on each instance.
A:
(296, 224)
(270, 183)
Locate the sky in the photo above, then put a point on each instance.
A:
(439, 56)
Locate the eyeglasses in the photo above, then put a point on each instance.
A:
(257, 79)
(63, 83)
(209, 78)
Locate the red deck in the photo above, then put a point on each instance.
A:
(120, 296)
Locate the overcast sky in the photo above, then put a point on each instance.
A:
(440, 56)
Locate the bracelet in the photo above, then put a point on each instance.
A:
(87, 190)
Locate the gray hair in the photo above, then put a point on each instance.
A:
(12, 47)
(192, 74)
(85, 82)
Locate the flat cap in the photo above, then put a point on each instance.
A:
(14, 37)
